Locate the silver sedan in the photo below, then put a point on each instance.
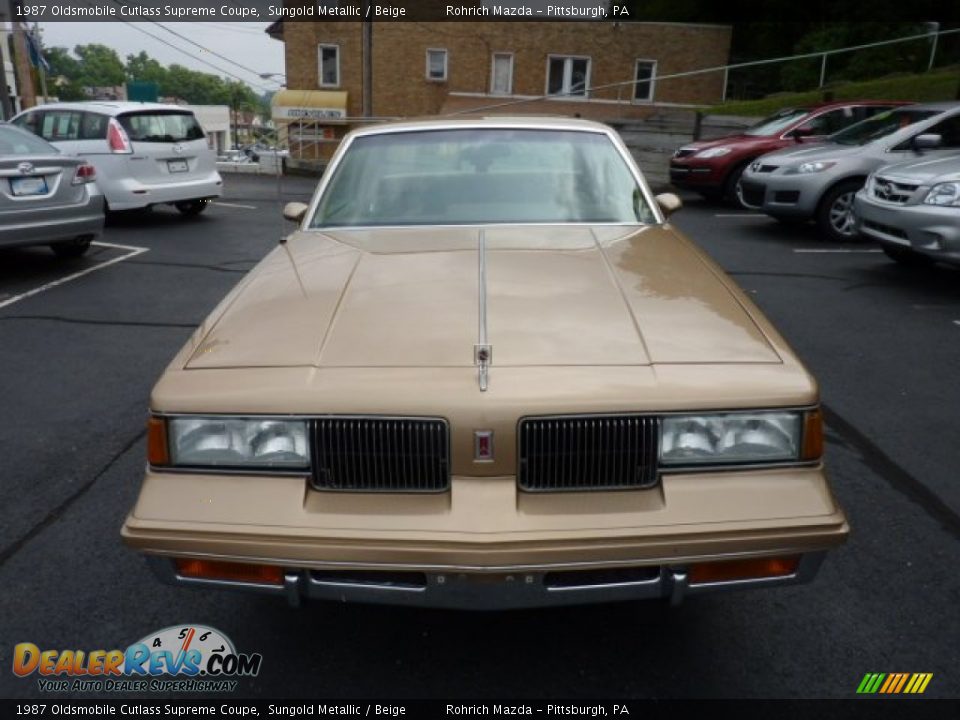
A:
(46, 198)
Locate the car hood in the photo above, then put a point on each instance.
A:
(931, 170)
(555, 296)
(811, 152)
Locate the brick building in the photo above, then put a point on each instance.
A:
(428, 68)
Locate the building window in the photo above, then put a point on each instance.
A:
(644, 76)
(329, 56)
(568, 76)
(436, 65)
(501, 76)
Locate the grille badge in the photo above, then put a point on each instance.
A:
(483, 445)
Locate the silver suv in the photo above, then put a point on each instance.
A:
(913, 210)
(819, 183)
(145, 154)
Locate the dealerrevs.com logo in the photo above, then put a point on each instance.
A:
(180, 658)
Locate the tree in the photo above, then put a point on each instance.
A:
(99, 66)
(64, 73)
(143, 68)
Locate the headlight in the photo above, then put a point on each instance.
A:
(816, 166)
(730, 438)
(713, 152)
(944, 194)
(237, 443)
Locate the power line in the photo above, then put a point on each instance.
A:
(205, 49)
(194, 57)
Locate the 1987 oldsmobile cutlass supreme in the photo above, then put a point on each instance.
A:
(485, 372)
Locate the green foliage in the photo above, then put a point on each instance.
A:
(942, 84)
(97, 65)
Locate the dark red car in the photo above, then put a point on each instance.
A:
(713, 167)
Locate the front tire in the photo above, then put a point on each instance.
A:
(72, 248)
(836, 218)
(731, 187)
(191, 207)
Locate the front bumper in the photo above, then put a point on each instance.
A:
(694, 174)
(484, 544)
(781, 195)
(506, 588)
(929, 230)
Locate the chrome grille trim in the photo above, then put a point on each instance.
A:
(889, 191)
(580, 452)
(380, 454)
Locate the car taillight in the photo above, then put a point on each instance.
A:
(85, 174)
(117, 138)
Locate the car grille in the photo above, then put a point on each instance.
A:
(587, 453)
(767, 168)
(885, 229)
(684, 152)
(892, 192)
(381, 454)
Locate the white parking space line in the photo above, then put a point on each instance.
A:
(134, 251)
(740, 215)
(234, 205)
(956, 322)
(836, 250)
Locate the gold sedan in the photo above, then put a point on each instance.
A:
(485, 372)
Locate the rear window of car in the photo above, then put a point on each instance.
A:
(480, 176)
(18, 142)
(59, 125)
(161, 126)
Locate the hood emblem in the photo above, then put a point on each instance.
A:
(483, 445)
(25, 168)
(883, 189)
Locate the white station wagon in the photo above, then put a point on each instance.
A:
(145, 154)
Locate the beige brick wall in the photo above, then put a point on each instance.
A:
(400, 86)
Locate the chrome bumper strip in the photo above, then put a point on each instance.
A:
(483, 591)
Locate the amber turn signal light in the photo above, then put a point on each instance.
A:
(812, 435)
(743, 569)
(237, 572)
(157, 448)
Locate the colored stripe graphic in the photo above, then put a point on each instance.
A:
(894, 683)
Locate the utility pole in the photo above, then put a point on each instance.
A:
(6, 106)
(28, 98)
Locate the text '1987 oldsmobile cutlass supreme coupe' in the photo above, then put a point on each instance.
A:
(485, 372)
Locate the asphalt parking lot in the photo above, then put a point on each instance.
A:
(81, 344)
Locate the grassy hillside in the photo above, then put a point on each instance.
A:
(926, 87)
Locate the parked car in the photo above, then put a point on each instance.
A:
(486, 372)
(145, 154)
(713, 167)
(913, 210)
(46, 197)
(819, 183)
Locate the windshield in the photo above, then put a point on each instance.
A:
(19, 142)
(167, 126)
(880, 125)
(478, 176)
(778, 122)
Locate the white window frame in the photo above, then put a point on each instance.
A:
(446, 64)
(320, 48)
(567, 76)
(493, 73)
(652, 81)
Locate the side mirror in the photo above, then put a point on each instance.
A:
(294, 211)
(927, 141)
(669, 203)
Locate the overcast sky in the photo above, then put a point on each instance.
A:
(243, 43)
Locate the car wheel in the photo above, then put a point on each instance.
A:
(835, 215)
(732, 192)
(906, 256)
(191, 207)
(72, 248)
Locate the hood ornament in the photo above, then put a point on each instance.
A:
(483, 350)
